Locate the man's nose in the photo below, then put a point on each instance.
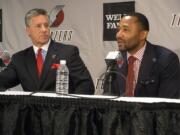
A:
(44, 28)
(119, 34)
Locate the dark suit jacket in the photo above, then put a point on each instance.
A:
(159, 74)
(22, 70)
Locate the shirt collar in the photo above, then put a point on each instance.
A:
(44, 47)
(139, 54)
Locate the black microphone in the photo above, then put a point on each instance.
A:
(113, 58)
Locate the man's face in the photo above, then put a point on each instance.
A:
(39, 30)
(130, 35)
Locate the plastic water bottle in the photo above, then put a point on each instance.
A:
(62, 78)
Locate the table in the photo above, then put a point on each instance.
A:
(50, 114)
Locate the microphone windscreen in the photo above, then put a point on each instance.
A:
(113, 57)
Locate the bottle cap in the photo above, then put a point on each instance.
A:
(63, 62)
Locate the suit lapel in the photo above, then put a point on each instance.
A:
(50, 58)
(31, 65)
(148, 61)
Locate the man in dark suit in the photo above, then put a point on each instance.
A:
(156, 70)
(23, 66)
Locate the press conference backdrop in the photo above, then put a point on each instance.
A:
(84, 22)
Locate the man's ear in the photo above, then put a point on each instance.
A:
(143, 35)
(28, 30)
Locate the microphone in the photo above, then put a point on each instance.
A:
(106, 78)
(113, 58)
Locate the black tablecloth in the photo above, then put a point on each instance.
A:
(29, 115)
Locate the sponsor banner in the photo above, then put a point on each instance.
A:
(112, 13)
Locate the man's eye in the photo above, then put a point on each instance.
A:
(46, 25)
(126, 29)
(38, 26)
(42, 25)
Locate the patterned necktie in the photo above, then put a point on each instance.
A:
(39, 61)
(130, 77)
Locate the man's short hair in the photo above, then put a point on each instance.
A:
(142, 19)
(34, 12)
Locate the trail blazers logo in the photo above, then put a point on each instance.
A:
(175, 21)
(57, 16)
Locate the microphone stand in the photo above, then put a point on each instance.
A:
(109, 69)
(109, 85)
(103, 78)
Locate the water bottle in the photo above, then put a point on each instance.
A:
(62, 78)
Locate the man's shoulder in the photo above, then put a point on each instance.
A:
(24, 51)
(161, 51)
(163, 55)
(62, 45)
